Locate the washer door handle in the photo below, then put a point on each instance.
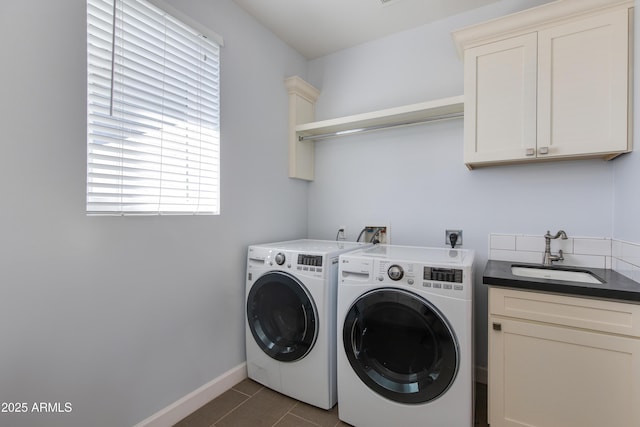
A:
(306, 321)
(357, 338)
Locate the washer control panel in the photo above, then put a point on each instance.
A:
(395, 272)
(432, 271)
(443, 274)
(437, 279)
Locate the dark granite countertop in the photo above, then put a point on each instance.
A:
(615, 286)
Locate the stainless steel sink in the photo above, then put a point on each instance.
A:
(572, 275)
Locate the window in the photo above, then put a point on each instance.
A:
(153, 113)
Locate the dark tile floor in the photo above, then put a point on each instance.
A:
(249, 404)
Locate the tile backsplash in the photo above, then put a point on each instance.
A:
(626, 258)
(594, 252)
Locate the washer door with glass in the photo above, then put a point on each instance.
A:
(282, 316)
(400, 345)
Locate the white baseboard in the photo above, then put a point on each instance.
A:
(193, 401)
(196, 399)
(482, 374)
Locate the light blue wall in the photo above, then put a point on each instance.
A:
(626, 224)
(123, 316)
(414, 178)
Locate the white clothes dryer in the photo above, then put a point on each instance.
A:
(291, 293)
(405, 337)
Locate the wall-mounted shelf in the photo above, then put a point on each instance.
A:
(440, 109)
(302, 131)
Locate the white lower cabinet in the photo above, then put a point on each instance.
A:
(562, 361)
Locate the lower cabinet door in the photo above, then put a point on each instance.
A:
(542, 375)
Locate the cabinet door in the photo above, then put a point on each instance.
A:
(500, 100)
(544, 376)
(583, 86)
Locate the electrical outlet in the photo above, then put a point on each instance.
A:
(447, 235)
(342, 233)
(379, 232)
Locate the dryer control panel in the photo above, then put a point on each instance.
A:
(312, 260)
(260, 259)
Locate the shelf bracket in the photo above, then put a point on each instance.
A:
(302, 101)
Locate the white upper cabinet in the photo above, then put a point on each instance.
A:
(500, 100)
(583, 86)
(548, 83)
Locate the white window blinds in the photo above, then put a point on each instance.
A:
(153, 113)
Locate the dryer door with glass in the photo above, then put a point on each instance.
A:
(400, 345)
(282, 316)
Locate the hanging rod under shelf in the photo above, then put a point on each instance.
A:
(406, 115)
(380, 127)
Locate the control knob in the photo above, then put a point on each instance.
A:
(280, 258)
(395, 272)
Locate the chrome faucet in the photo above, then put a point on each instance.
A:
(548, 258)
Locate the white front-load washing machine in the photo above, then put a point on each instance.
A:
(291, 293)
(405, 337)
